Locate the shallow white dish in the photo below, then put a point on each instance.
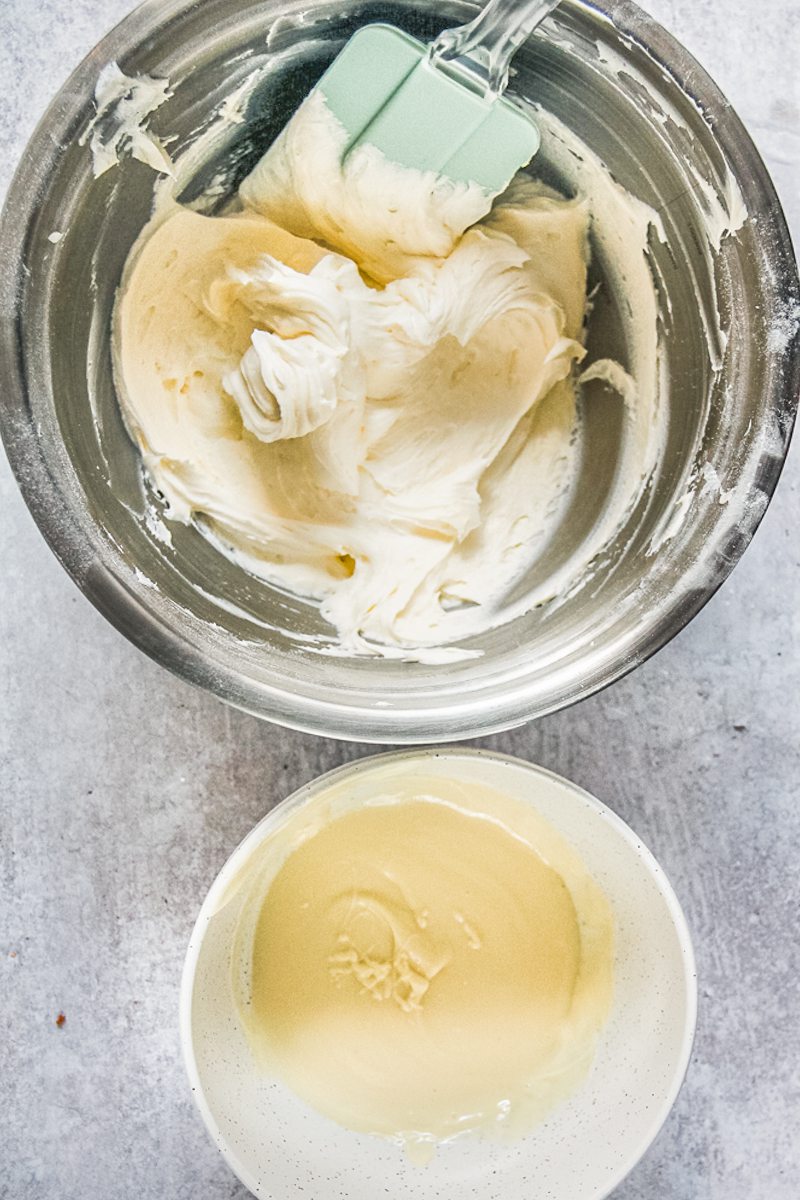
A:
(281, 1149)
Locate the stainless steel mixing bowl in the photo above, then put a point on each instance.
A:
(198, 614)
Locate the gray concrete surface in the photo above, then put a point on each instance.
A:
(122, 790)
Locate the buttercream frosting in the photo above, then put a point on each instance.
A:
(363, 382)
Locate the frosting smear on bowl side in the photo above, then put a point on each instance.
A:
(363, 383)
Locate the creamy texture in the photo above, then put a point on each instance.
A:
(120, 129)
(433, 961)
(363, 384)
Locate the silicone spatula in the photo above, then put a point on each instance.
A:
(440, 107)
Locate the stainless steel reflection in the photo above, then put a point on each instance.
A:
(255, 647)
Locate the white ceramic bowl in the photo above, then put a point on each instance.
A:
(281, 1149)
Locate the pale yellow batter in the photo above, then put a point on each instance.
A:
(434, 961)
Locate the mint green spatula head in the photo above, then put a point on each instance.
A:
(388, 90)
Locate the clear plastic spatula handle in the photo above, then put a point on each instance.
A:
(485, 46)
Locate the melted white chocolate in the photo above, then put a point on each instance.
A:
(413, 991)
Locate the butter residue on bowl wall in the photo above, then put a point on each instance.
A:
(120, 128)
(433, 961)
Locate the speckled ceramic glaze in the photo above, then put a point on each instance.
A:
(281, 1149)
